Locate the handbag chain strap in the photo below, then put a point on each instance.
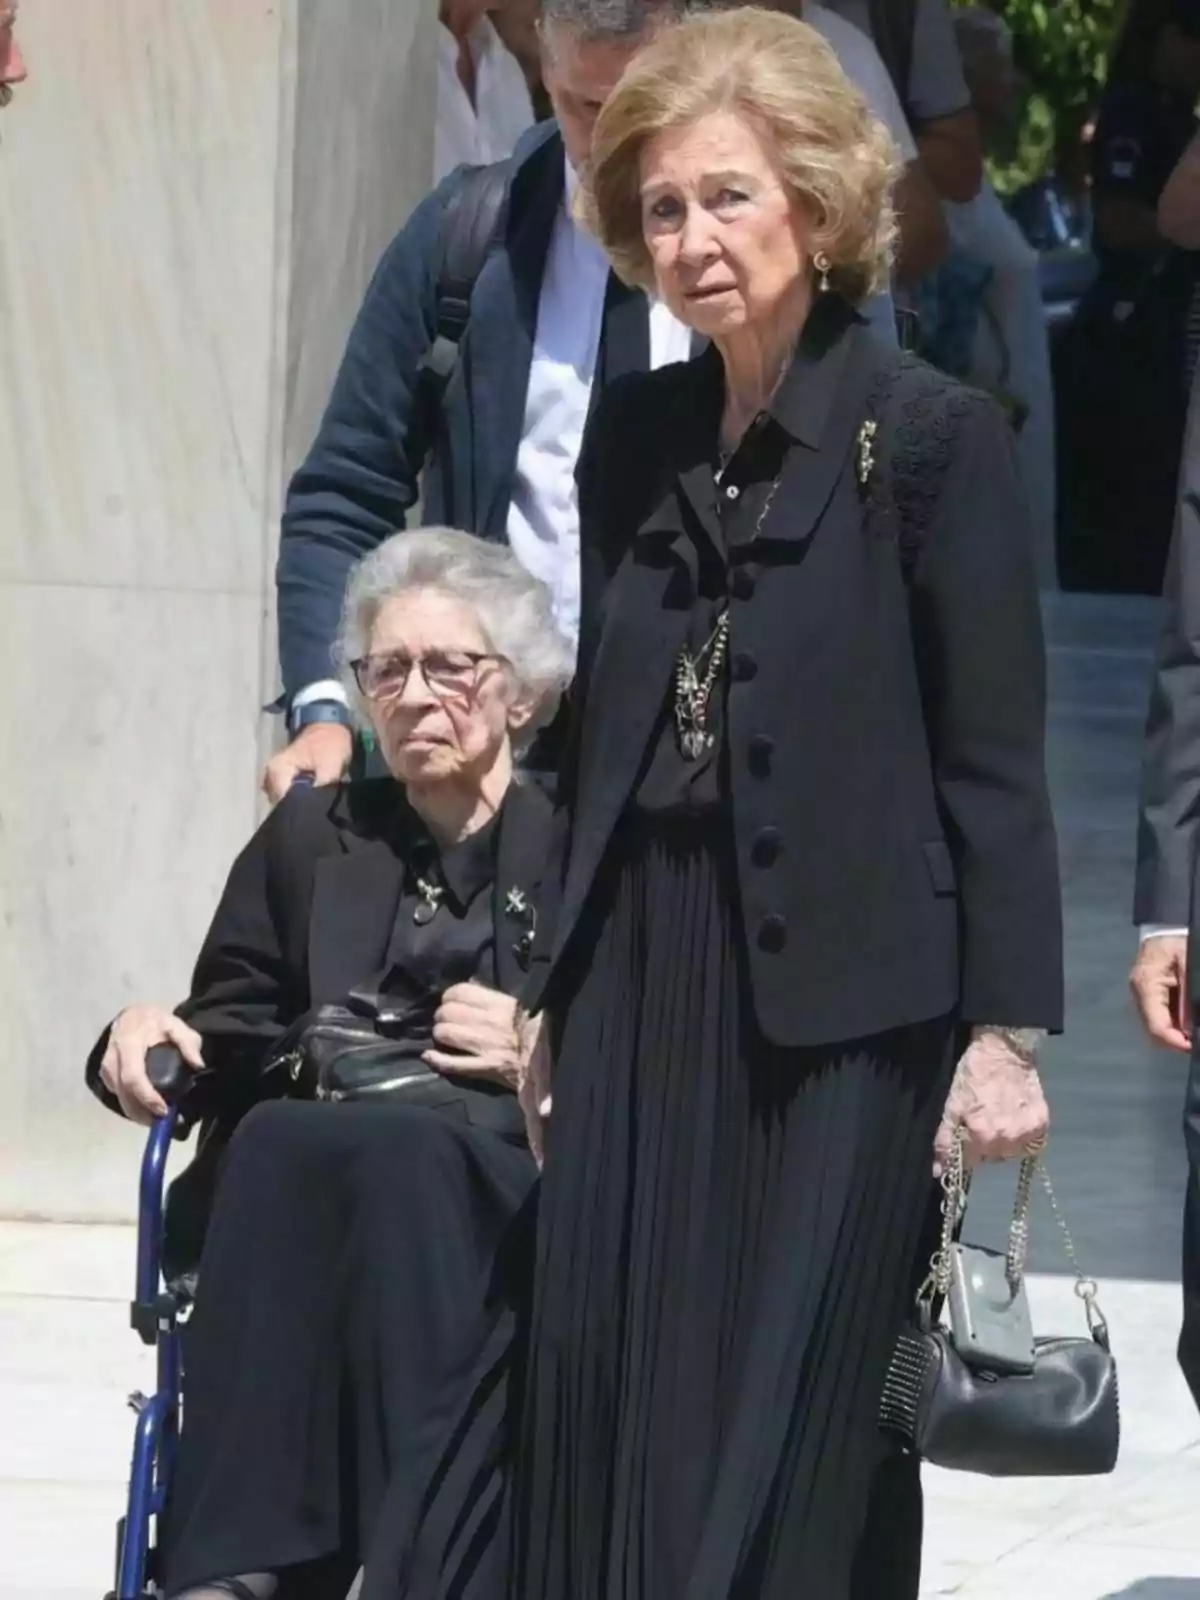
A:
(955, 1189)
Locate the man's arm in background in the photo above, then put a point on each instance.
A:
(939, 106)
(1169, 804)
(923, 238)
(1179, 203)
(356, 486)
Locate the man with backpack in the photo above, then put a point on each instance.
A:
(488, 430)
(487, 434)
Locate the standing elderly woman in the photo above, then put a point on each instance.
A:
(810, 919)
(347, 1261)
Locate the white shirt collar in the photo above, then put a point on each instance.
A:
(481, 41)
(570, 184)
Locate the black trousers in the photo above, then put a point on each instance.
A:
(1189, 1337)
(343, 1289)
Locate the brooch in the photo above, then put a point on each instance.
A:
(518, 909)
(429, 898)
(866, 452)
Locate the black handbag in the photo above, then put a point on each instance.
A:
(370, 1049)
(1056, 1414)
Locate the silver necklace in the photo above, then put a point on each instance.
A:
(693, 688)
(692, 692)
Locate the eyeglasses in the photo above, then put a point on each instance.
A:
(452, 672)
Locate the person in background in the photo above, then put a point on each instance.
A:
(921, 240)
(1179, 203)
(1009, 353)
(1179, 224)
(1122, 421)
(916, 41)
(517, 25)
(12, 63)
(1170, 796)
(483, 103)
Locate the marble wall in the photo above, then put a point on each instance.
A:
(191, 199)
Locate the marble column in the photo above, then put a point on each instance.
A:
(192, 198)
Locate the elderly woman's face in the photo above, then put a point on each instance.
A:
(728, 239)
(12, 64)
(440, 701)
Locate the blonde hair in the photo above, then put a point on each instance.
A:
(781, 77)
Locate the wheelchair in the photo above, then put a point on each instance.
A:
(158, 1314)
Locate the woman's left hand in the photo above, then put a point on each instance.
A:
(997, 1100)
(475, 1032)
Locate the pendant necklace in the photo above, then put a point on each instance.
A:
(696, 675)
(693, 692)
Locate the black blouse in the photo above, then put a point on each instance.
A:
(670, 782)
(445, 934)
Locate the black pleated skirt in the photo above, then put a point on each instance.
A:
(728, 1239)
(344, 1278)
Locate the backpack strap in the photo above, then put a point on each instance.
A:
(906, 446)
(470, 227)
(893, 28)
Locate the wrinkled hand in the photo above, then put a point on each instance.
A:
(1159, 984)
(322, 749)
(123, 1068)
(475, 1032)
(534, 1090)
(997, 1100)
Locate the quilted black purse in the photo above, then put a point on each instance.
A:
(1050, 1410)
(371, 1048)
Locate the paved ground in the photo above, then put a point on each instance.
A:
(67, 1358)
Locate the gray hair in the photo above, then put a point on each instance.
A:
(618, 21)
(513, 609)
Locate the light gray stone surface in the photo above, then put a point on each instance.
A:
(193, 196)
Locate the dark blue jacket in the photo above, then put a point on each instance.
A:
(361, 477)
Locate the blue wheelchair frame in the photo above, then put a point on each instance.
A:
(155, 1314)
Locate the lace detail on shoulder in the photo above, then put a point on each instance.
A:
(920, 412)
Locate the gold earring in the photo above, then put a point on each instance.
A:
(822, 263)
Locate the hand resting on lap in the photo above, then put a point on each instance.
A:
(475, 1033)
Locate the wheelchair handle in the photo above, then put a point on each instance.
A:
(168, 1072)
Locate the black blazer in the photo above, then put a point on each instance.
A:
(362, 476)
(308, 911)
(887, 742)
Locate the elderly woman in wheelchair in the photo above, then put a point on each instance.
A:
(359, 977)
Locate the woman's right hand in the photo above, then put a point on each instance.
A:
(996, 1103)
(533, 1083)
(123, 1068)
